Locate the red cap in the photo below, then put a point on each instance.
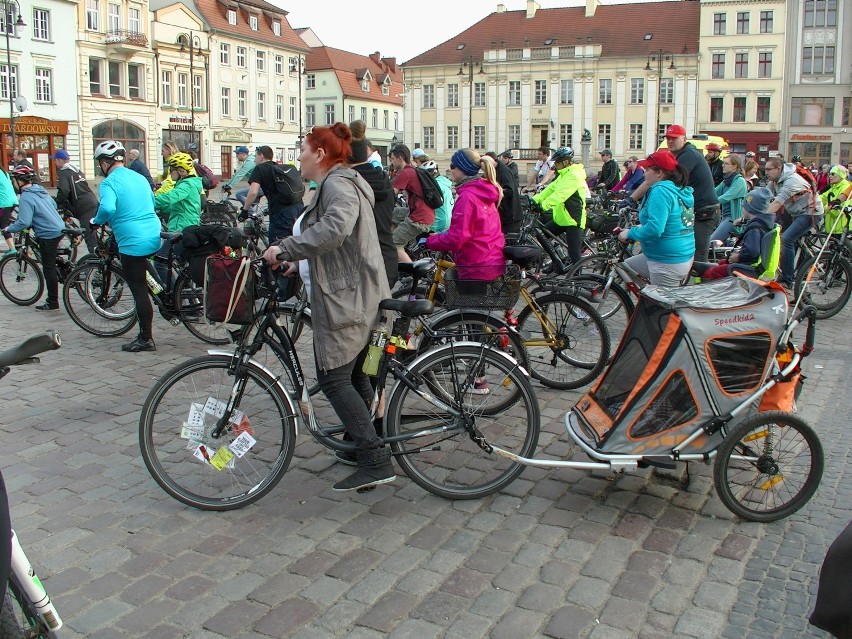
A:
(675, 131)
(713, 147)
(661, 159)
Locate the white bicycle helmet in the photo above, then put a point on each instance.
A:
(110, 150)
(430, 166)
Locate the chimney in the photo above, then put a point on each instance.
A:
(376, 57)
(591, 6)
(501, 8)
(532, 7)
(391, 62)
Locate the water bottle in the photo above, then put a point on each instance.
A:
(154, 285)
(32, 587)
(378, 339)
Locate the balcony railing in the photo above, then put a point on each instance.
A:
(123, 36)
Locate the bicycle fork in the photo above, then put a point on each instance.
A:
(31, 586)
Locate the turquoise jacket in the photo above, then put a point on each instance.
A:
(666, 224)
(7, 191)
(243, 172)
(443, 213)
(733, 196)
(127, 205)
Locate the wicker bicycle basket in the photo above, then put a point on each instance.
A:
(477, 287)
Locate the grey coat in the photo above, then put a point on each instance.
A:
(339, 240)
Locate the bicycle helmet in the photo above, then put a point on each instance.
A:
(23, 173)
(430, 166)
(562, 153)
(181, 161)
(796, 158)
(750, 154)
(110, 150)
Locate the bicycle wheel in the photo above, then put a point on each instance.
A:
(188, 303)
(613, 303)
(439, 453)
(99, 300)
(830, 285)
(21, 279)
(596, 264)
(18, 616)
(175, 432)
(768, 467)
(567, 341)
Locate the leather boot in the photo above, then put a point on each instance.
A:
(374, 468)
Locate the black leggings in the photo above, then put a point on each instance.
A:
(49, 250)
(573, 238)
(6, 219)
(135, 267)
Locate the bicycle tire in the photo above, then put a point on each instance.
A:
(170, 458)
(18, 273)
(449, 463)
(616, 307)
(830, 287)
(98, 299)
(749, 487)
(582, 348)
(188, 303)
(597, 264)
(18, 617)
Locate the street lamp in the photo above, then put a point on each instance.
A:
(659, 57)
(194, 43)
(8, 6)
(468, 63)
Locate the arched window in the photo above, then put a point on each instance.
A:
(130, 135)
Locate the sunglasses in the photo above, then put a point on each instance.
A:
(452, 166)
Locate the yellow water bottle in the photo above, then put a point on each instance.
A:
(378, 339)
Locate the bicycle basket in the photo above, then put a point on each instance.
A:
(229, 290)
(601, 223)
(490, 287)
(220, 213)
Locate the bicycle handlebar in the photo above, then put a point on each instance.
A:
(30, 348)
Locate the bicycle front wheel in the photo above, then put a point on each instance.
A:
(435, 448)
(21, 279)
(216, 473)
(830, 285)
(18, 616)
(98, 299)
(568, 343)
(768, 467)
(188, 302)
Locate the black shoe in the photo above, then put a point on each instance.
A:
(374, 468)
(139, 344)
(47, 306)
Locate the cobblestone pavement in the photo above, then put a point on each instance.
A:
(560, 553)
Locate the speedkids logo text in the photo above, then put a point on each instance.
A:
(736, 319)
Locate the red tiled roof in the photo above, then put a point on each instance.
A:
(619, 29)
(216, 15)
(347, 67)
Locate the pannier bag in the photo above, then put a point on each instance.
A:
(601, 223)
(229, 290)
(199, 242)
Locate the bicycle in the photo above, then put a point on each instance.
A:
(222, 212)
(826, 276)
(217, 432)
(26, 609)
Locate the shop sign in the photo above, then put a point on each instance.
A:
(232, 134)
(810, 137)
(31, 125)
(180, 123)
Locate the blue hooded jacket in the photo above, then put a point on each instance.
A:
(665, 235)
(127, 204)
(37, 210)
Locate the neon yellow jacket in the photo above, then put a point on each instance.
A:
(833, 192)
(570, 184)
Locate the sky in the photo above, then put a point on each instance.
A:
(398, 29)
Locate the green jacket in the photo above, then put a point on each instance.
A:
(182, 203)
(569, 188)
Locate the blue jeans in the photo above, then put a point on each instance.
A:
(242, 193)
(723, 231)
(800, 226)
(281, 222)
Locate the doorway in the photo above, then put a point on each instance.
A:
(225, 155)
(541, 136)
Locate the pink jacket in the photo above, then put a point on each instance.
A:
(475, 236)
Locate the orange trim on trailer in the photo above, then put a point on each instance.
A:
(664, 437)
(594, 415)
(766, 364)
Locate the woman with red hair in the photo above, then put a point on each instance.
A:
(335, 249)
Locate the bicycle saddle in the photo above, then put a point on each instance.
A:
(523, 256)
(418, 269)
(171, 237)
(72, 232)
(408, 308)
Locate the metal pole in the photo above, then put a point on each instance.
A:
(470, 103)
(659, 95)
(192, 87)
(9, 79)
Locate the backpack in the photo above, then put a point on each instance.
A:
(288, 183)
(208, 180)
(431, 190)
(812, 191)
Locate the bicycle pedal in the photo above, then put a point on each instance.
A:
(366, 489)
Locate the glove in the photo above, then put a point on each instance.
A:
(242, 216)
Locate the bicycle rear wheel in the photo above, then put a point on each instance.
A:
(21, 279)
(175, 432)
(768, 467)
(613, 303)
(444, 459)
(18, 616)
(188, 303)
(98, 299)
(830, 285)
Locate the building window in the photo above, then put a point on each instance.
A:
(428, 137)
(742, 21)
(376, 122)
(739, 109)
(261, 105)
(605, 91)
(310, 115)
(661, 130)
(385, 89)
(719, 23)
(276, 28)
(667, 91)
(279, 108)
(604, 136)
(428, 96)
(292, 66)
(844, 115)
(241, 58)
(364, 114)
(452, 95)
(636, 137)
(365, 85)
(95, 77)
(114, 77)
(821, 13)
(479, 96)
(135, 77)
(8, 82)
(113, 17)
(741, 65)
(44, 85)
(762, 114)
(279, 65)
(452, 137)
(764, 65)
(242, 98)
(514, 93)
(386, 119)
(260, 63)
(637, 92)
(253, 23)
(717, 108)
(181, 89)
(293, 108)
(226, 102)
(566, 135)
(166, 84)
(197, 92)
(514, 136)
(812, 112)
(93, 15)
(817, 60)
(540, 95)
(478, 137)
(232, 17)
(134, 21)
(329, 114)
(766, 22)
(717, 69)
(41, 24)
(566, 92)
(396, 120)
(310, 81)
(351, 113)
(224, 54)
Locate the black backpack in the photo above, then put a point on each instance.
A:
(431, 191)
(288, 183)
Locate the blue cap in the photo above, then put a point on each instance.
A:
(61, 154)
(242, 149)
(757, 201)
(418, 153)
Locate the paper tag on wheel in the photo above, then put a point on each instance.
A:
(196, 415)
(236, 416)
(221, 458)
(214, 407)
(242, 426)
(242, 444)
(192, 432)
(202, 453)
